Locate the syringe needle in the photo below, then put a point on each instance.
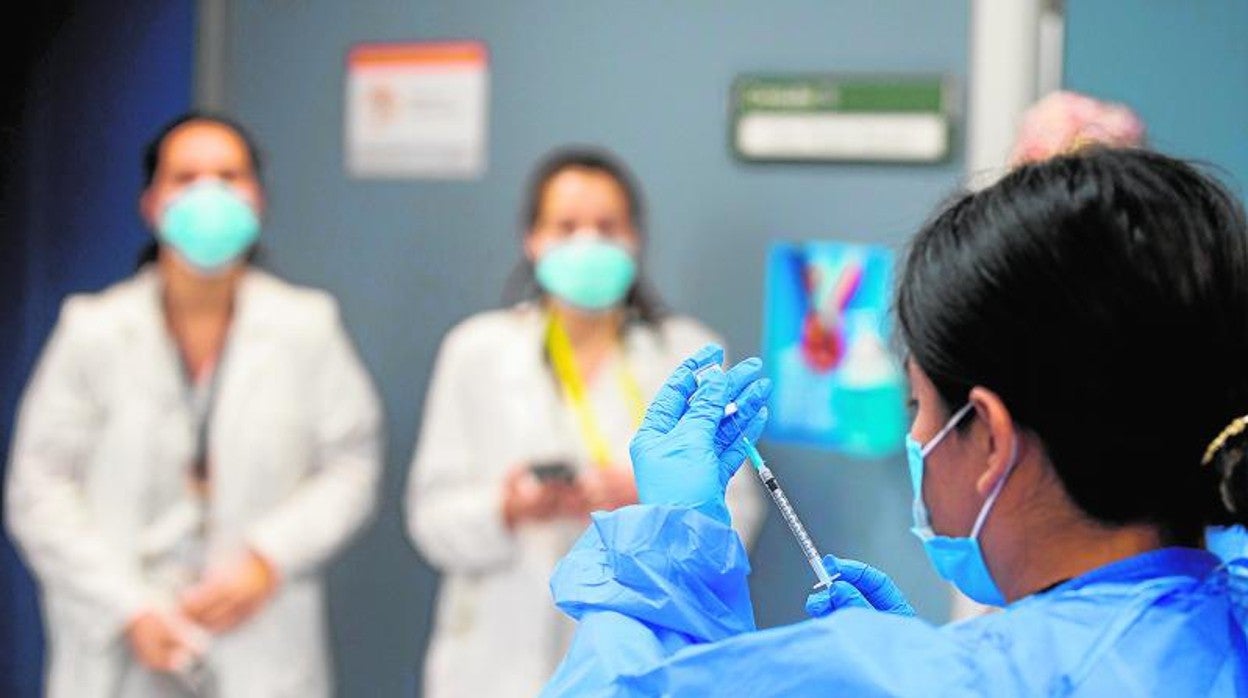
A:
(772, 486)
(789, 514)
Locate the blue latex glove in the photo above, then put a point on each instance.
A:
(685, 451)
(860, 585)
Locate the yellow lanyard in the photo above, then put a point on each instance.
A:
(559, 348)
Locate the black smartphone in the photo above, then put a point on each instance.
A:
(553, 471)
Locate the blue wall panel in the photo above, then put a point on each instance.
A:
(1183, 66)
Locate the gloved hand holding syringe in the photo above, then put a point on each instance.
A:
(772, 486)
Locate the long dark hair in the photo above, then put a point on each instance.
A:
(1103, 297)
(151, 162)
(643, 300)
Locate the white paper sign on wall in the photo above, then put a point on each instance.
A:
(417, 110)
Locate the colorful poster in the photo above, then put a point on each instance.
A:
(825, 346)
(417, 110)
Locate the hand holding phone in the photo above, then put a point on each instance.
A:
(553, 471)
(540, 491)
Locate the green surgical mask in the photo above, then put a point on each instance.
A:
(210, 226)
(587, 272)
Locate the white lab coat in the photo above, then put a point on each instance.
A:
(493, 403)
(101, 449)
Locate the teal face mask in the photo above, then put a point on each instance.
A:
(210, 226)
(957, 560)
(587, 272)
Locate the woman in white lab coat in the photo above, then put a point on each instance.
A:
(195, 444)
(527, 423)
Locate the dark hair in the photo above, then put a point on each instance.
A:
(151, 161)
(151, 152)
(1104, 297)
(642, 299)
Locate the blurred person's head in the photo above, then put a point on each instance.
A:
(1080, 327)
(584, 234)
(1063, 122)
(202, 194)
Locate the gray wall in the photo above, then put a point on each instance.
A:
(1182, 66)
(649, 79)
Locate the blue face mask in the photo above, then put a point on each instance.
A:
(210, 226)
(587, 272)
(957, 560)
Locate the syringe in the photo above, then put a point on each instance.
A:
(804, 541)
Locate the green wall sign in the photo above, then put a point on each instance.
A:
(834, 118)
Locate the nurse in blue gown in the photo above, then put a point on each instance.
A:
(1077, 339)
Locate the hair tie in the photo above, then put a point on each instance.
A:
(1235, 428)
(1232, 430)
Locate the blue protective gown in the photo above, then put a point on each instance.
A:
(1227, 542)
(663, 604)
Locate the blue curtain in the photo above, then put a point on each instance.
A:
(91, 81)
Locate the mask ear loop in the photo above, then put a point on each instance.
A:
(944, 431)
(996, 490)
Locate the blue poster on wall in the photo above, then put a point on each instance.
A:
(826, 349)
